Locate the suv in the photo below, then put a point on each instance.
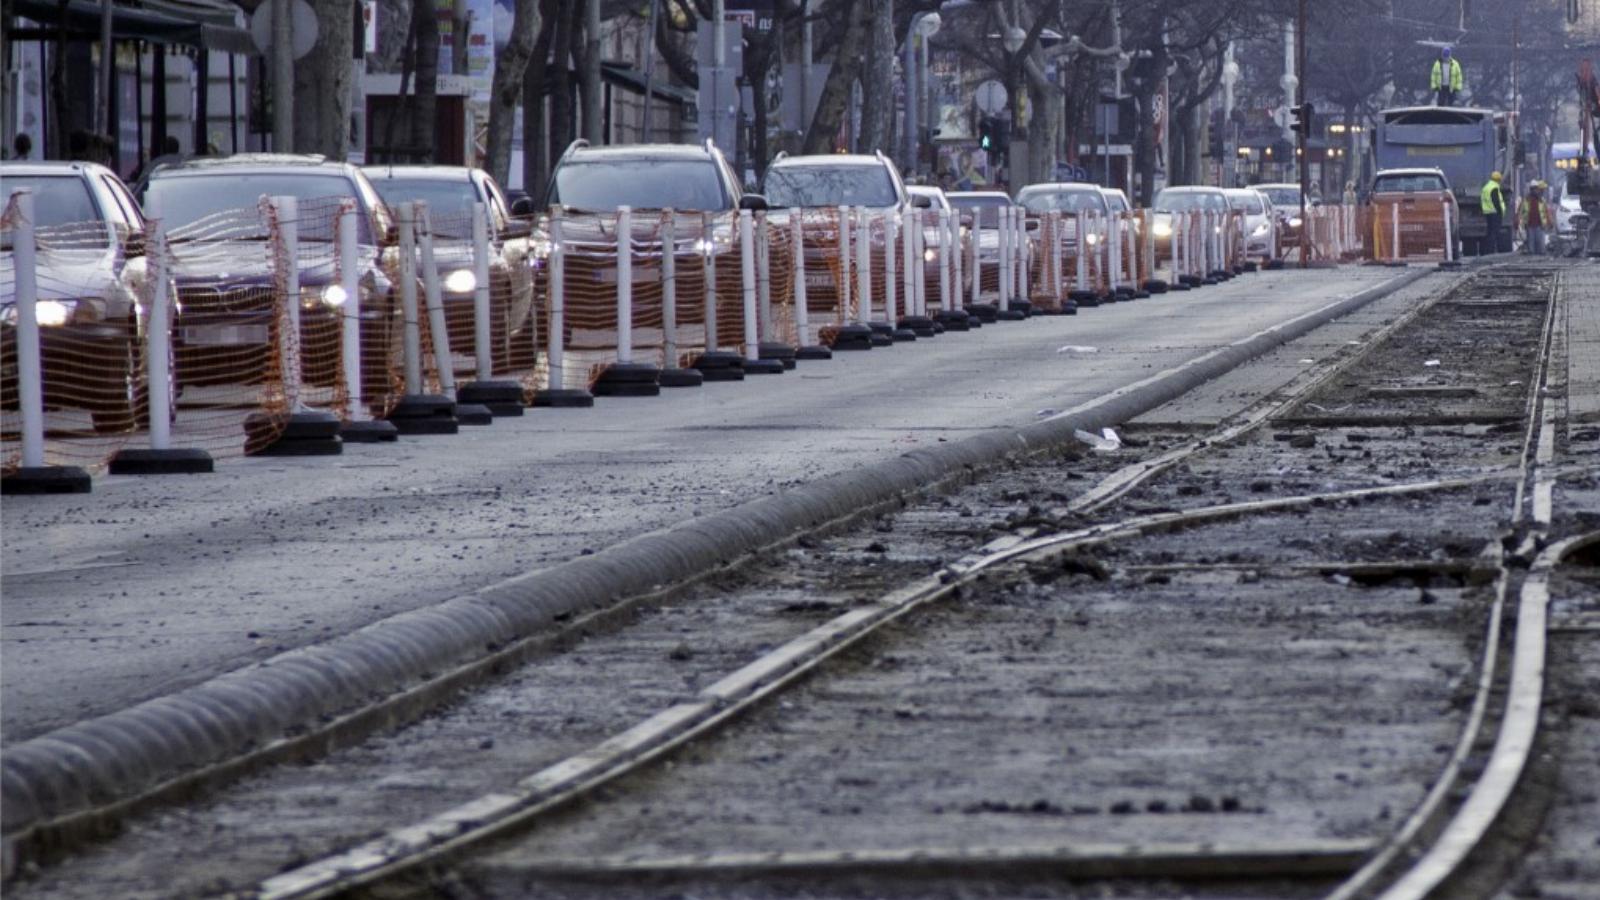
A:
(451, 192)
(1185, 199)
(225, 277)
(91, 267)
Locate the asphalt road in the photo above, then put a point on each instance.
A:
(149, 585)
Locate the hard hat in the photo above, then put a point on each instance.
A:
(1496, 176)
(1445, 53)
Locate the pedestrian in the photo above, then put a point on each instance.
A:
(1493, 202)
(1535, 218)
(21, 146)
(1350, 197)
(1445, 80)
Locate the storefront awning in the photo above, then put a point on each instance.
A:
(208, 26)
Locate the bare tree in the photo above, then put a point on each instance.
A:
(506, 90)
(425, 53)
(322, 84)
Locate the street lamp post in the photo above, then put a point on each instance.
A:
(924, 26)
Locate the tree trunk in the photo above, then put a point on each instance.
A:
(1043, 133)
(561, 111)
(877, 89)
(593, 119)
(322, 84)
(835, 97)
(506, 88)
(535, 133)
(425, 24)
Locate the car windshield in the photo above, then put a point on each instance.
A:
(604, 185)
(449, 200)
(188, 198)
(985, 211)
(1250, 203)
(1284, 196)
(1062, 201)
(830, 185)
(61, 207)
(1117, 202)
(1190, 201)
(1406, 184)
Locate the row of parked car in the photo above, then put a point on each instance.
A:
(220, 308)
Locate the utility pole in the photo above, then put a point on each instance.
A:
(282, 78)
(718, 60)
(591, 73)
(1302, 151)
(108, 73)
(649, 67)
(805, 67)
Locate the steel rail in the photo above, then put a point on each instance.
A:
(1536, 455)
(568, 780)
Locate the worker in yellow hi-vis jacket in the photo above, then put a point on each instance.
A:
(1445, 81)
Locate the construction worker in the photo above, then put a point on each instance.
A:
(1535, 218)
(1445, 81)
(1493, 202)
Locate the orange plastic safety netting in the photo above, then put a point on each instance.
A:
(87, 279)
(1408, 227)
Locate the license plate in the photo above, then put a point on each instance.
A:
(819, 280)
(225, 335)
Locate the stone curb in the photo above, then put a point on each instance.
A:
(117, 757)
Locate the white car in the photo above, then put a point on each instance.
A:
(1258, 219)
(1570, 217)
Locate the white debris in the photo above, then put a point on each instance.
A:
(1111, 436)
(1096, 441)
(1077, 348)
(1307, 362)
(1431, 363)
(1047, 411)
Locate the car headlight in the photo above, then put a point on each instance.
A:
(539, 247)
(1162, 229)
(1092, 239)
(718, 242)
(53, 313)
(929, 255)
(335, 295)
(1294, 222)
(1259, 230)
(461, 281)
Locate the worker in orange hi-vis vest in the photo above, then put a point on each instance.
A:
(1535, 219)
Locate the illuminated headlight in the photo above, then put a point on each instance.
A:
(1162, 229)
(719, 242)
(335, 295)
(1259, 230)
(1092, 239)
(461, 281)
(539, 248)
(53, 313)
(1294, 222)
(929, 255)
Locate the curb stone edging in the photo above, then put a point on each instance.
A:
(73, 779)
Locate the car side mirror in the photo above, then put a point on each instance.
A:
(523, 208)
(753, 202)
(516, 228)
(921, 201)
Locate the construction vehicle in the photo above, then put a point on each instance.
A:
(1467, 145)
(1583, 181)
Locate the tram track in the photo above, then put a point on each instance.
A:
(1037, 537)
(569, 780)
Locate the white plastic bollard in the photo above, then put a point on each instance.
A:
(1174, 258)
(1114, 251)
(482, 336)
(763, 278)
(1003, 215)
(708, 263)
(918, 301)
(947, 274)
(747, 272)
(891, 288)
(802, 315)
(844, 265)
(30, 370)
(863, 266)
(1394, 222)
(974, 239)
(554, 349)
(669, 289)
(411, 336)
(1081, 249)
(435, 301)
(288, 209)
(350, 281)
(1449, 238)
(158, 339)
(1131, 251)
(908, 253)
(624, 285)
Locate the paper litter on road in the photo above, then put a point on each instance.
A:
(1077, 348)
(1432, 362)
(1107, 440)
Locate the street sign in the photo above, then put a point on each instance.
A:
(991, 97)
(302, 27)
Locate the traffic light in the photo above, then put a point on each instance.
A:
(986, 133)
(1302, 118)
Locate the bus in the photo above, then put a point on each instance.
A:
(1466, 144)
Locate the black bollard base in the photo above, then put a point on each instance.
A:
(815, 352)
(502, 398)
(1155, 286)
(853, 336)
(473, 414)
(919, 326)
(985, 312)
(37, 480)
(954, 320)
(173, 461)
(563, 398)
(628, 379)
(1084, 298)
(425, 414)
(678, 378)
(305, 433)
(775, 350)
(376, 431)
(763, 367)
